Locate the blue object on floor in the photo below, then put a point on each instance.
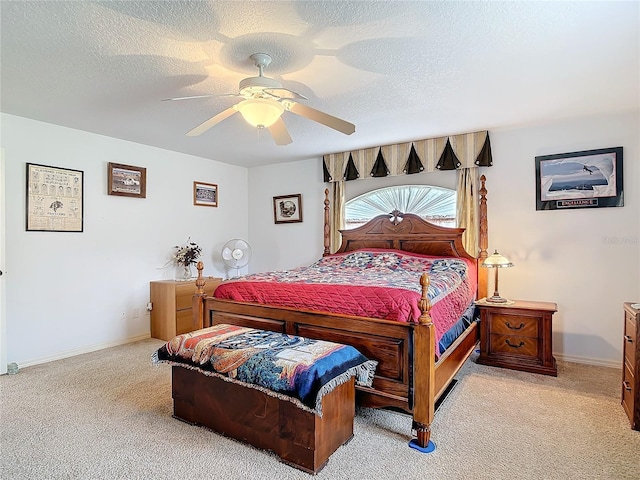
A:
(428, 449)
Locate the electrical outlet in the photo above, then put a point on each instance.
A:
(135, 313)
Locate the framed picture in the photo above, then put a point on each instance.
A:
(205, 194)
(54, 199)
(127, 181)
(287, 209)
(588, 179)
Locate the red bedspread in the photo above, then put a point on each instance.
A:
(370, 283)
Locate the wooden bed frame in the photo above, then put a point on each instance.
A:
(408, 376)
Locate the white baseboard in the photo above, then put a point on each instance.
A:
(80, 351)
(598, 362)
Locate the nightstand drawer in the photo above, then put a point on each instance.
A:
(184, 295)
(521, 326)
(628, 391)
(630, 343)
(184, 322)
(186, 290)
(630, 317)
(521, 346)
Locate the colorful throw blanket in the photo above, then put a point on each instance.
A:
(373, 283)
(295, 368)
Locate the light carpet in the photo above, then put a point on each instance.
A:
(107, 414)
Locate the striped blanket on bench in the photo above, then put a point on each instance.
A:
(295, 368)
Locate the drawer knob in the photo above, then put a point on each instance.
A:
(514, 328)
(512, 345)
(628, 338)
(626, 386)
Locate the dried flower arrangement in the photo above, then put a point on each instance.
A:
(187, 254)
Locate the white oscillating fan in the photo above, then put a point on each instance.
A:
(236, 254)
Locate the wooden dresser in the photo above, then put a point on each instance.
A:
(517, 336)
(631, 365)
(171, 306)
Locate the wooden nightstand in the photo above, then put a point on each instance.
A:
(171, 306)
(631, 365)
(517, 336)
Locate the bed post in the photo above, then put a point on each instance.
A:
(483, 242)
(424, 374)
(327, 225)
(197, 302)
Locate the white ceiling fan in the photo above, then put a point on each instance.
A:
(264, 102)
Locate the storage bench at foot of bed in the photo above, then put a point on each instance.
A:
(297, 436)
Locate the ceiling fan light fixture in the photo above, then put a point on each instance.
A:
(265, 100)
(260, 112)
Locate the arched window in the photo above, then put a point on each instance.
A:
(434, 204)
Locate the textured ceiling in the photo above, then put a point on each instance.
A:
(398, 70)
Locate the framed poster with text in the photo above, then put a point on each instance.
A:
(587, 179)
(54, 199)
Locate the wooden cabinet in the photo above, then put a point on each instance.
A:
(171, 306)
(631, 365)
(517, 336)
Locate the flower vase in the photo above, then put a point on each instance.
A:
(186, 272)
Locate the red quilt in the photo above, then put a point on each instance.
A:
(372, 283)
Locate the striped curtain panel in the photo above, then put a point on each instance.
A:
(468, 209)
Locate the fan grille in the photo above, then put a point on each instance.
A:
(236, 253)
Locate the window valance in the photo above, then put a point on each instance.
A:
(444, 153)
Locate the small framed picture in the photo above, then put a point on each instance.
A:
(205, 194)
(287, 209)
(127, 180)
(587, 179)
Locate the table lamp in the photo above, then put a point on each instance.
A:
(495, 260)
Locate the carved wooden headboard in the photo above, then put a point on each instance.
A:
(407, 232)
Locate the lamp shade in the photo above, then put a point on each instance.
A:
(260, 112)
(495, 260)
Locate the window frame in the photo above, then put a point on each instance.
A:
(443, 220)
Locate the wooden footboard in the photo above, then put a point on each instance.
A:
(407, 377)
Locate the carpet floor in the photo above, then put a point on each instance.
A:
(107, 414)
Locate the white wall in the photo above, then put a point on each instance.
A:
(587, 261)
(74, 292)
(286, 245)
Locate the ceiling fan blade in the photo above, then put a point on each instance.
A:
(187, 98)
(280, 133)
(201, 96)
(320, 117)
(284, 93)
(203, 127)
